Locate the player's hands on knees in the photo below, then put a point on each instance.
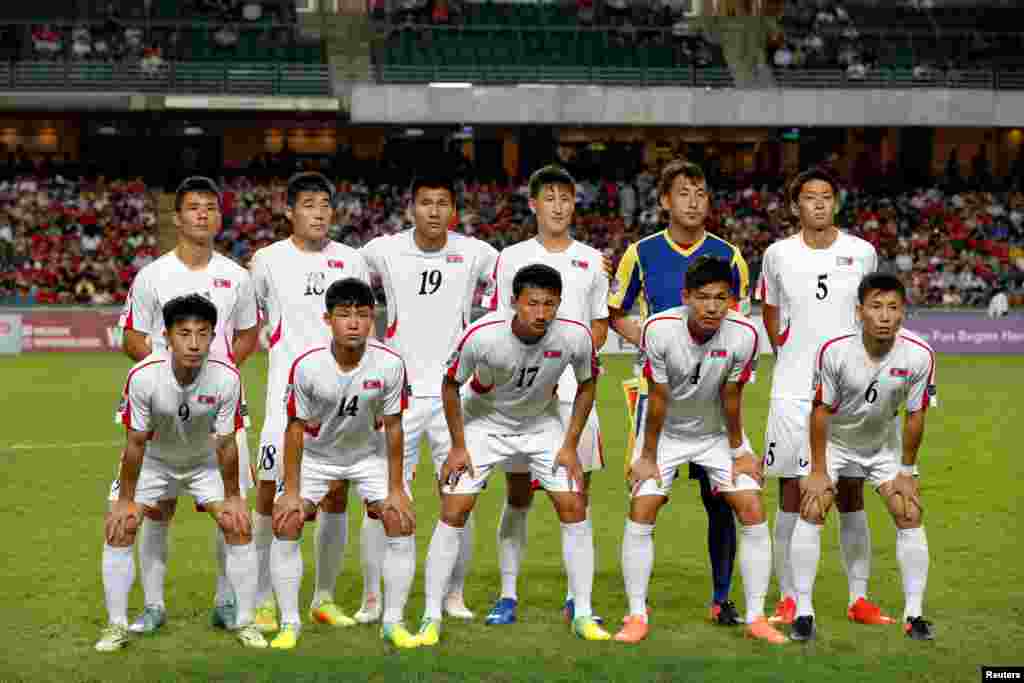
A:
(122, 521)
(641, 470)
(816, 492)
(905, 486)
(398, 504)
(288, 514)
(568, 459)
(750, 465)
(234, 516)
(455, 465)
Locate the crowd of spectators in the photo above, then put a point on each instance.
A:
(73, 241)
(82, 242)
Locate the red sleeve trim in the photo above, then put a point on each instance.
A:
(458, 350)
(493, 303)
(239, 419)
(276, 336)
(784, 336)
(390, 332)
(129, 323)
(927, 400)
(291, 379)
(643, 333)
(824, 347)
(748, 369)
(126, 416)
(478, 386)
(648, 373)
(595, 366)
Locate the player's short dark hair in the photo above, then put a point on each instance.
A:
(196, 183)
(192, 306)
(676, 168)
(309, 181)
(796, 185)
(538, 276)
(880, 282)
(552, 174)
(706, 270)
(350, 291)
(438, 178)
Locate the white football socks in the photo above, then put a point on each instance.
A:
(286, 575)
(262, 537)
(755, 558)
(331, 537)
(399, 570)
(804, 553)
(458, 580)
(511, 545)
(224, 594)
(568, 586)
(637, 563)
(578, 556)
(855, 545)
(912, 555)
(784, 523)
(241, 570)
(441, 557)
(118, 576)
(372, 543)
(153, 561)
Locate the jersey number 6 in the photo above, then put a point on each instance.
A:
(871, 395)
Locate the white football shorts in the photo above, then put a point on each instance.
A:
(422, 421)
(160, 481)
(590, 450)
(532, 452)
(713, 454)
(878, 468)
(369, 475)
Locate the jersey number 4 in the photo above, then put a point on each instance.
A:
(349, 407)
(430, 281)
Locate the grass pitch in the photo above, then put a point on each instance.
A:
(58, 453)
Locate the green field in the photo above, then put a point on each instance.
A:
(58, 450)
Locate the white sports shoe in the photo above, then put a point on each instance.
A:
(455, 606)
(113, 638)
(370, 611)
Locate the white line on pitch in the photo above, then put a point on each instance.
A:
(49, 446)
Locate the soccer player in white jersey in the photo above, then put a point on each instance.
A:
(861, 379)
(509, 412)
(584, 299)
(698, 357)
(181, 410)
(192, 267)
(291, 277)
(429, 276)
(345, 403)
(808, 286)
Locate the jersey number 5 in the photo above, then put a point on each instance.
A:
(430, 281)
(822, 287)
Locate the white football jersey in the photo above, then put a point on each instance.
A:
(816, 293)
(512, 384)
(695, 373)
(181, 419)
(290, 285)
(343, 410)
(222, 281)
(584, 287)
(429, 298)
(864, 395)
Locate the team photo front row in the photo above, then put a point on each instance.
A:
(344, 404)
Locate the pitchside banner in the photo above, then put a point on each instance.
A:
(10, 333)
(95, 329)
(948, 332)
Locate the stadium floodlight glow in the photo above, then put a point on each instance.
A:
(450, 84)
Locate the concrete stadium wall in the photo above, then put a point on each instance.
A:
(596, 105)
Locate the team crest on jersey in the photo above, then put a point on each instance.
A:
(899, 372)
(844, 260)
(373, 384)
(553, 354)
(208, 400)
(222, 283)
(335, 263)
(719, 353)
(454, 258)
(579, 263)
